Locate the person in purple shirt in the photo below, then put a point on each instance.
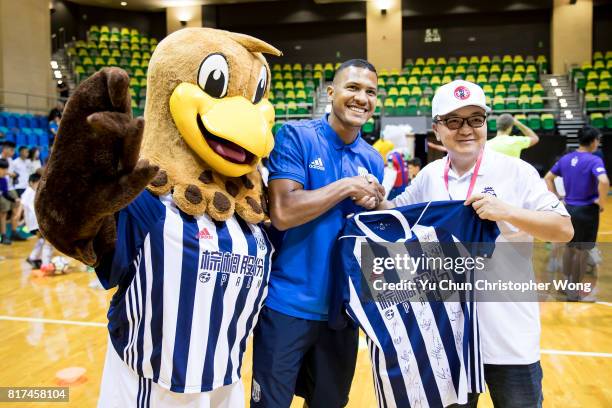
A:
(586, 189)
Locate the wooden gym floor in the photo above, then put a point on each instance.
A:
(48, 324)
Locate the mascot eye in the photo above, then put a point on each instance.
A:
(261, 85)
(213, 76)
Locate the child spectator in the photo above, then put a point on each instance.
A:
(34, 160)
(8, 200)
(41, 254)
(21, 168)
(53, 127)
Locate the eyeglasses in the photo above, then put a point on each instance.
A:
(455, 123)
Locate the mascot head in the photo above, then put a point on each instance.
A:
(209, 122)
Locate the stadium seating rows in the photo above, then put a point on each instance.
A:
(122, 47)
(26, 130)
(594, 79)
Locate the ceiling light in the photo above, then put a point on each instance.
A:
(124, 3)
(54, 64)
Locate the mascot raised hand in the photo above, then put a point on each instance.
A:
(168, 210)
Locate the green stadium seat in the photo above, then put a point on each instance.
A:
(485, 60)
(608, 118)
(521, 118)
(368, 127)
(537, 89)
(603, 101)
(441, 61)
(419, 62)
(511, 103)
(537, 102)
(329, 71)
(542, 62)
(492, 123)
(599, 66)
(292, 108)
(500, 90)
(389, 106)
(548, 121)
(404, 92)
(483, 69)
(507, 59)
(463, 61)
(597, 120)
(379, 106)
(495, 69)
(604, 87)
(452, 61)
(302, 108)
(591, 87)
(290, 95)
(498, 103)
(505, 79)
(112, 62)
(401, 107)
(424, 106)
(473, 60)
(518, 59)
(393, 93)
(488, 90)
(416, 91)
(590, 101)
(524, 102)
(513, 90)
(534, 121)
(519, 69)
(525, 89)
(412, 107)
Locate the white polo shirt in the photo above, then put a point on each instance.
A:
(510, 331)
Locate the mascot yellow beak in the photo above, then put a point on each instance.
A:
(230, 134)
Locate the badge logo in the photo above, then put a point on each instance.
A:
(461, 92)
(204, 277)
(489, 190)
(204, 234)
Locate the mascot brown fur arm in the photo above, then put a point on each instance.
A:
(94, 170)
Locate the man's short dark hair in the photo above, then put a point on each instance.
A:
(23, 148)
(415, 162)
(587, 134)
(34, 177)
(8, 144)
(4, 164)
(505, 121)
(359, 63)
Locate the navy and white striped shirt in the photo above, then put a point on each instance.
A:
(190, 291)
(424, 353)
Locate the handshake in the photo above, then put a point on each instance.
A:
(365, 191)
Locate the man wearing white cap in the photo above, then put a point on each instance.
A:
(510, 192)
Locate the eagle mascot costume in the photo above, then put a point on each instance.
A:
(168, 210)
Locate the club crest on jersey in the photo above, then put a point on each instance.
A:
(204, 234)
(489, 190)
(461, 92)
(204, 277)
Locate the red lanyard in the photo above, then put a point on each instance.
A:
(474, 175)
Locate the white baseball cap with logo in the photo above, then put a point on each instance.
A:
(455, 95)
